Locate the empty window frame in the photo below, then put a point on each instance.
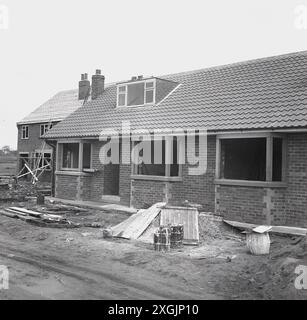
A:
(136, 93)
(42, 160)
(25, 132)
(252, 159)
(158, 165)
(87, 155)
(72, 153)
(44, 128)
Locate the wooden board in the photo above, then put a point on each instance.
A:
(134, 226)
(25, 211)
(188, 217)
(278, 229)
(119, 228)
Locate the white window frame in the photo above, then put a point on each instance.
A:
(153, 80)
(46, 127)
(269, 160)
(25, 133)
(59, 163)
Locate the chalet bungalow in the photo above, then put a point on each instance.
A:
(255, 114)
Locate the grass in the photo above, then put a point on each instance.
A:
(8, 165)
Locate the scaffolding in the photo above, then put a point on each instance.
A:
(35, 166)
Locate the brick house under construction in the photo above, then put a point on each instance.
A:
(32, 148)
(255, 114)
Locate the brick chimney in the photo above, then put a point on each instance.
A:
(97, 84)
(84, 87)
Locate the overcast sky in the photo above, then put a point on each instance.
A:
(46, 45)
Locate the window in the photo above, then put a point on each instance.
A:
(277, 159)
(87, 155)
(136, 93)
(149, 92)
(70, 156)
(25, 132)
(154, 168)
(251, 159)
(157, 165)
(122, 95)
(42, 160)
(45, 128)
(243, 159)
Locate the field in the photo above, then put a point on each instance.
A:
(8, 165)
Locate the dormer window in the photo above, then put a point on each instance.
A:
(137, 93)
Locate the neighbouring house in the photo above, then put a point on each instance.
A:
(255, 116)
(32, 148)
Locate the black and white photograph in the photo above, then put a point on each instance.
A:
(153, 151)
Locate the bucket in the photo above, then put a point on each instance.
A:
(162, 239)
(258, 243)
(40, 200)
(176, 236)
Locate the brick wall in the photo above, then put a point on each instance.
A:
(66, 187)
(238, 203)
(145, 193)
(296, 196)
(124, 184)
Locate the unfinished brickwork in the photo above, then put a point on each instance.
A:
(283, 205)
(279, 205)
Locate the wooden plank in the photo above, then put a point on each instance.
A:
(14, 211)
(28, 212)
(141, 223)
(134, 226)
(119, 228)
(262, 229)
(278, 229)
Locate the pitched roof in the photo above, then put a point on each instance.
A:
(55, 109)
(257, 94)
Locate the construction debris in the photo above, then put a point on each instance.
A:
(276, 229)
(135, 225)
(38, 218)
(143, 224)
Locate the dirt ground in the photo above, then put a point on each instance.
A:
(78, 263)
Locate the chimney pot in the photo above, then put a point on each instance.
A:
(84, 87)
(140, 77)
(97, 84)
(134, 78)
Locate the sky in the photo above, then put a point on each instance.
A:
(46, 45)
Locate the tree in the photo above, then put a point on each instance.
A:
(6, 150)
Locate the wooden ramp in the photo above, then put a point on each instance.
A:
(186, 216)
(134, 226)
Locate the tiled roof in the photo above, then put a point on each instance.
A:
(257, 94)
(55, 109)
